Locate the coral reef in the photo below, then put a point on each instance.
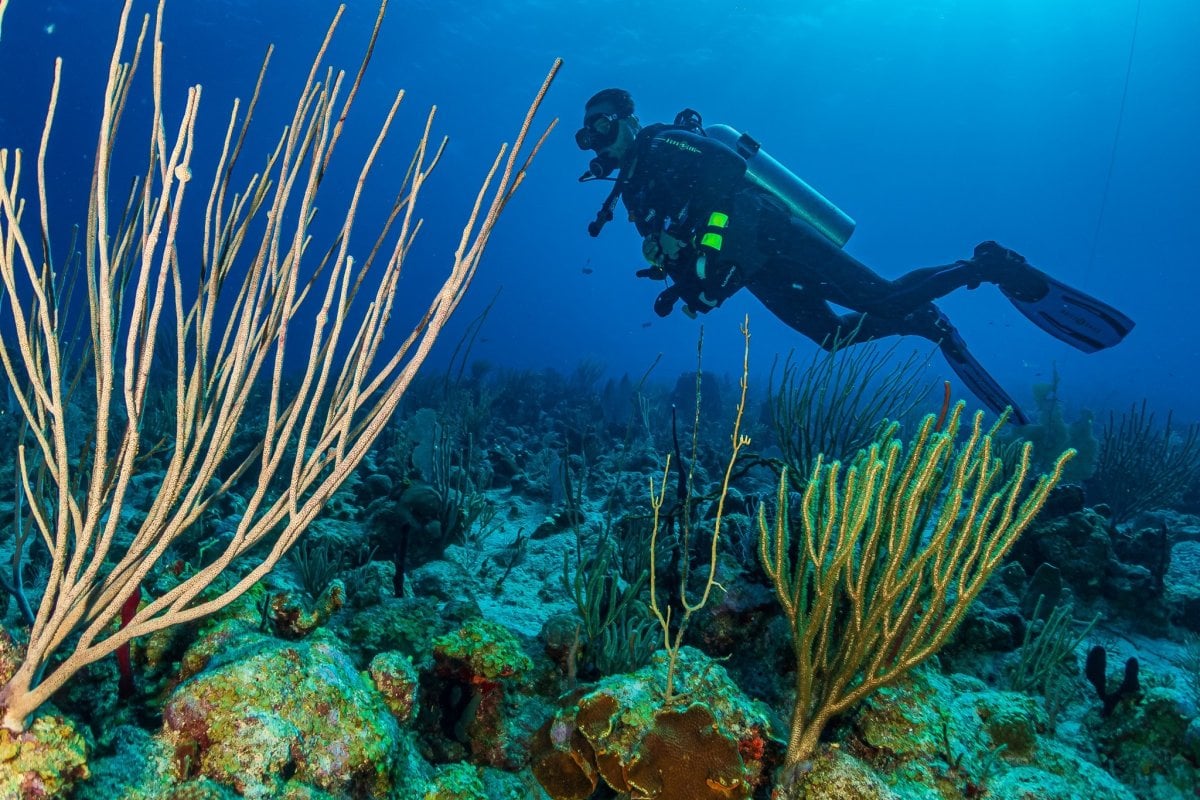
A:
(480, 682)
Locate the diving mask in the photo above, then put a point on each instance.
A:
(598, 131)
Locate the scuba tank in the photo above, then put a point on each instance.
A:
(801, 199)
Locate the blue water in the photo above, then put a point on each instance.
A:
(935, 124)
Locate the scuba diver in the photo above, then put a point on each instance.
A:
(716, 213)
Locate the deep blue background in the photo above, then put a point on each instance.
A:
(935, 124)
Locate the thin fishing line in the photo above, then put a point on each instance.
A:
(1112, 156)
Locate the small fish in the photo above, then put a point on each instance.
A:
(647, 324)
(588, 270)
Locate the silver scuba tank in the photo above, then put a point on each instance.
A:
(803, 200)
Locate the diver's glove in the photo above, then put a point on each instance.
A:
(694, 301)
(700, 291)
(716, 280)
(664, 304)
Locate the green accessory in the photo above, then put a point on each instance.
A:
(713, 236)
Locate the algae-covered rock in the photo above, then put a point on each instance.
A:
(478, 666)
(456, 782)
(1079, 544)
(293, 617)
(198, 789)
(1145, 743)
(1011, 721)
(832, 775)
(486, 650)
(44, 761)
(138, 759)
(407, 625)
(935, 736)
(1029, 783)
(710, 744)
(1183, 590)
(396, 679)
(461, 781)
(262, 709)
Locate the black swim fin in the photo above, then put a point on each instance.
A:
(1070, 315)
(976, 378)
